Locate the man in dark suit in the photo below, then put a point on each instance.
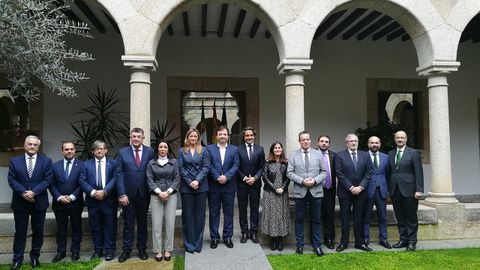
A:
(377, 191)
(329, 191)
(353, 170)
(222, 187)
(67, 201)
(406, 188)
(29, 176)
(306, 169)
(98, 180)
(249, 184)
(133, 192)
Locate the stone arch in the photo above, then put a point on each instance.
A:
(418, 18)
(458, 18)
(143, 22)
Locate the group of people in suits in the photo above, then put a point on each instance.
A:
(141, 177)
(361, 180)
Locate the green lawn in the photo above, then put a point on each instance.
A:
(425, 259)
(58, 266)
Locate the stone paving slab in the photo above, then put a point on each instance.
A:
(246, 256)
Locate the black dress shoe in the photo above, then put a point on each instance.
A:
(214, 243)
(299, 250)
(254, 238)
(280, 243)
(123, 257)
(341, 247)
(274, 243)
(158, 257)
(75, 257)
(244, 238)
(400, 244)
(318, 251)
(329, 244)
(35, 263)
(167, 258)
(228, 242)
(363, 247)
(385, 244)
(109, 257)
(142, 254)
(411, 247)
(58, 257)
(16, 266)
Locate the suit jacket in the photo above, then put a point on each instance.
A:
(380, 175)
(331, 156)
(252, 166)
(193, 168)
(349, 177)
(297, 172)
(71, 186)
(88, 181)
(132, 180)
(20, 182)
(229, 168)
(408, 175)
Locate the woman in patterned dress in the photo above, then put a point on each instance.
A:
(275, 213)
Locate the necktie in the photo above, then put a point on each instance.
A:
(354, 158)
(399, 156)
(328, 179)
(307, 160)
(375, 161)
(99, 175)
(30, 167)
(249, 151)
(67, 169)
(137, 158)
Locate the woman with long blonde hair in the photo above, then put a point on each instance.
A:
(194, 163)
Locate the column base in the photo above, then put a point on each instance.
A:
(441, 198)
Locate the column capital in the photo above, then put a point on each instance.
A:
(140, 62)
(438, 67)
(294, 65)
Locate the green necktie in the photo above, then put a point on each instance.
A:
(399, 156)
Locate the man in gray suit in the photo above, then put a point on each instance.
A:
(307, 171)
(405, 188)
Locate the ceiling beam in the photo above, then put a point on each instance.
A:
(112, 22)
(346, 22)
(395, 34)
(386, 30)
(90, 15)
(186, 27)
(328, 22)
(254, 28)
(204, 19)
(373, 27)
(170, 30)
(238, 26)
(223, 18)
(361, 24)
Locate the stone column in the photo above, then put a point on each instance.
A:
(294, 70)
(440, 156)
(140, 68)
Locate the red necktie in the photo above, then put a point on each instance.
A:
(137, 158)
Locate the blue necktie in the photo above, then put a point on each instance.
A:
(354, 158)
(67, 170)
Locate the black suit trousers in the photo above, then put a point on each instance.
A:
(328, 214)
(137, 209)
(248, 194)
(21, 226)
(62, 215)
(359, 206)
(405, 209)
